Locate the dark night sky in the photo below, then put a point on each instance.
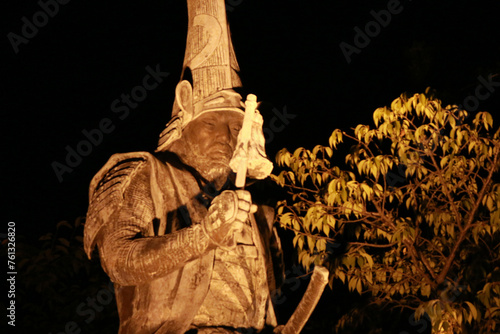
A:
(64, 80)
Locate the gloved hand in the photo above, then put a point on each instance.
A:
(226, 217)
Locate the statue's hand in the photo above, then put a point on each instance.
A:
(226, 217)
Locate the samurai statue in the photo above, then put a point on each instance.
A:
(176, 231)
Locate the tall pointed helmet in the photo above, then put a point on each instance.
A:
(210, 70)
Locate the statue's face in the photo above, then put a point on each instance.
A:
(208, 143)
(214, 134)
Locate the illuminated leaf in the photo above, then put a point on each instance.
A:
(416, 205)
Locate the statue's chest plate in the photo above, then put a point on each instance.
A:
(238, 291)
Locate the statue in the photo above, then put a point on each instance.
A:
(180, 238)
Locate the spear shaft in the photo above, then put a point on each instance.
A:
(245, 135)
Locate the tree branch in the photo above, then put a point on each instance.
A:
(469, 223)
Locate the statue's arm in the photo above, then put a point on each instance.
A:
(128, 256)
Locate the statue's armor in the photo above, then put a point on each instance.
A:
(148, 214)
(238, 292)
(144, 216)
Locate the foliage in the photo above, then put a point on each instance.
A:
(58, 289)
(412, 218)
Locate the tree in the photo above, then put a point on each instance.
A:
(412, 218)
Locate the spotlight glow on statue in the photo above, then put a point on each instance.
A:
(182, 244)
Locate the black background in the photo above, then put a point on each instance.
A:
(65, 78)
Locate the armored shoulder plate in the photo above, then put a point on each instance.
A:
(106, 191)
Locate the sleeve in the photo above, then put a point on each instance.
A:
(129, 253)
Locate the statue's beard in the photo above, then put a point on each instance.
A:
(212, 165)
(211, 169)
